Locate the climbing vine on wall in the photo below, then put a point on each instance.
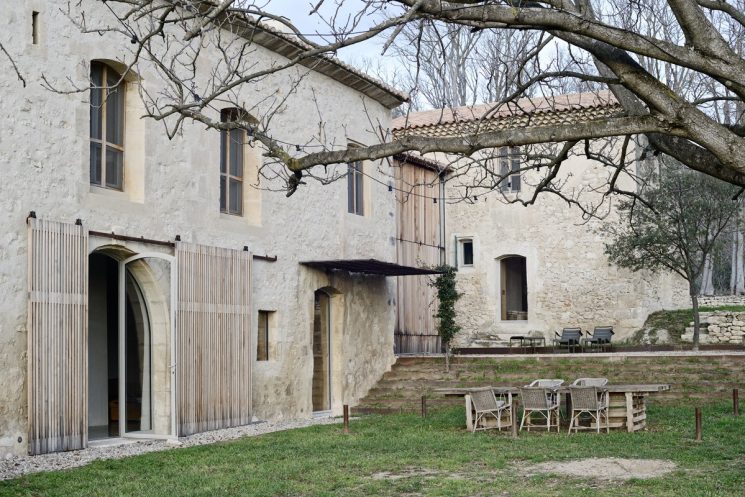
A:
(447, 295)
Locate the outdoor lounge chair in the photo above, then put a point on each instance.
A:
(592, 400)
(541, 400)
(546, 383)
(486, 405)
(569, 338)
(600, 338)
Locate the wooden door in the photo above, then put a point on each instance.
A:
(321, 356)
(57, 336)
(503, 286)
(213, 338)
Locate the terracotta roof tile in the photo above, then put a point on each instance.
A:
(561, 109)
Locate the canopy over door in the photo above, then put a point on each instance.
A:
(213, 338)
(57, 336)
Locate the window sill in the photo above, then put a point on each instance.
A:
(109, 192)
(237, 218)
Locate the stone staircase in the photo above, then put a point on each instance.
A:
(694, 378)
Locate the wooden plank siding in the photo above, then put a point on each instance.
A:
(418, 241)
(213, 338)
(57, 336)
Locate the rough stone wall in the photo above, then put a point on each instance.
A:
(720, 300)
(570, 282)
(718, 327)
(44, 167)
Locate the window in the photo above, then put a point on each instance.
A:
(231, 164)
(355, 190)
(465, 248)
(514, 288)
(107, 127)
(262, 340)
(509, 167)
(35, 28)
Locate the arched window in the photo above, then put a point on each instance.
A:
(514, 288)
(107, 127)
(240, 161)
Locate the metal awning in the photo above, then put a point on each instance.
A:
(369, 266)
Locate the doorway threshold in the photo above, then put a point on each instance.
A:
(322, 414)
(103, 443)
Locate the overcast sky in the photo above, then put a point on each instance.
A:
(297, 11)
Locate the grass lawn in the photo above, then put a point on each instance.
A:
(321, 461)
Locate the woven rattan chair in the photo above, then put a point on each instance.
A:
(540, 400)
(486, 405)
(592, 400)
(553, 384)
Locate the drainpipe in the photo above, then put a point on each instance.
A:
(442, 220)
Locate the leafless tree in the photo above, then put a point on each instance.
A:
(672, 65)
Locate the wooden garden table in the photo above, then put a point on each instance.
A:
(627, 404)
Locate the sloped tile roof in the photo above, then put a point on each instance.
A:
(561, 109)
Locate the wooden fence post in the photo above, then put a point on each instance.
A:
(736, 402)
(424, 406)
(698, 424)
(515, 405)
(346, 419)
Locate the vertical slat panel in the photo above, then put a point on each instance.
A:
(57, 336)
(418, 228)
(213, 334)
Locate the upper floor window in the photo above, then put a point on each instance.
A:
(107, 127)
(355, 189)
(231, 164)
(509, 168)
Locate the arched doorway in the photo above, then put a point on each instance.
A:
(125, 306)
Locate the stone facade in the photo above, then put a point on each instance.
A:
(718, 327)
(171, 188)
(570, 282)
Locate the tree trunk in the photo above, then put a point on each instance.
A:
(447, 357)
(696, 320)
(707, 278)
(737, 276)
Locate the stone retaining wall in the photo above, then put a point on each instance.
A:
(720, 300)
(719, 327)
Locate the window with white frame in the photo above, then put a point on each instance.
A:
(106, 127)
(509, 169)
(465, 252)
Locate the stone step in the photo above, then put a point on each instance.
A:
(693, 379)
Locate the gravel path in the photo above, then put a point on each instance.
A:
(15, 466)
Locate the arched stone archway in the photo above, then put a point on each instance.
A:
(129, 378)
(328, 325)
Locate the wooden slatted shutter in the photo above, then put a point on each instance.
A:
(57, 336)
(213, 338)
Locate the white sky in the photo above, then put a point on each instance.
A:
(297, 11)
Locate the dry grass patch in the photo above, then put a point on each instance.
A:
(608, 469)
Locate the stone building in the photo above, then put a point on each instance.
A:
(527, 269)
(138, 300)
